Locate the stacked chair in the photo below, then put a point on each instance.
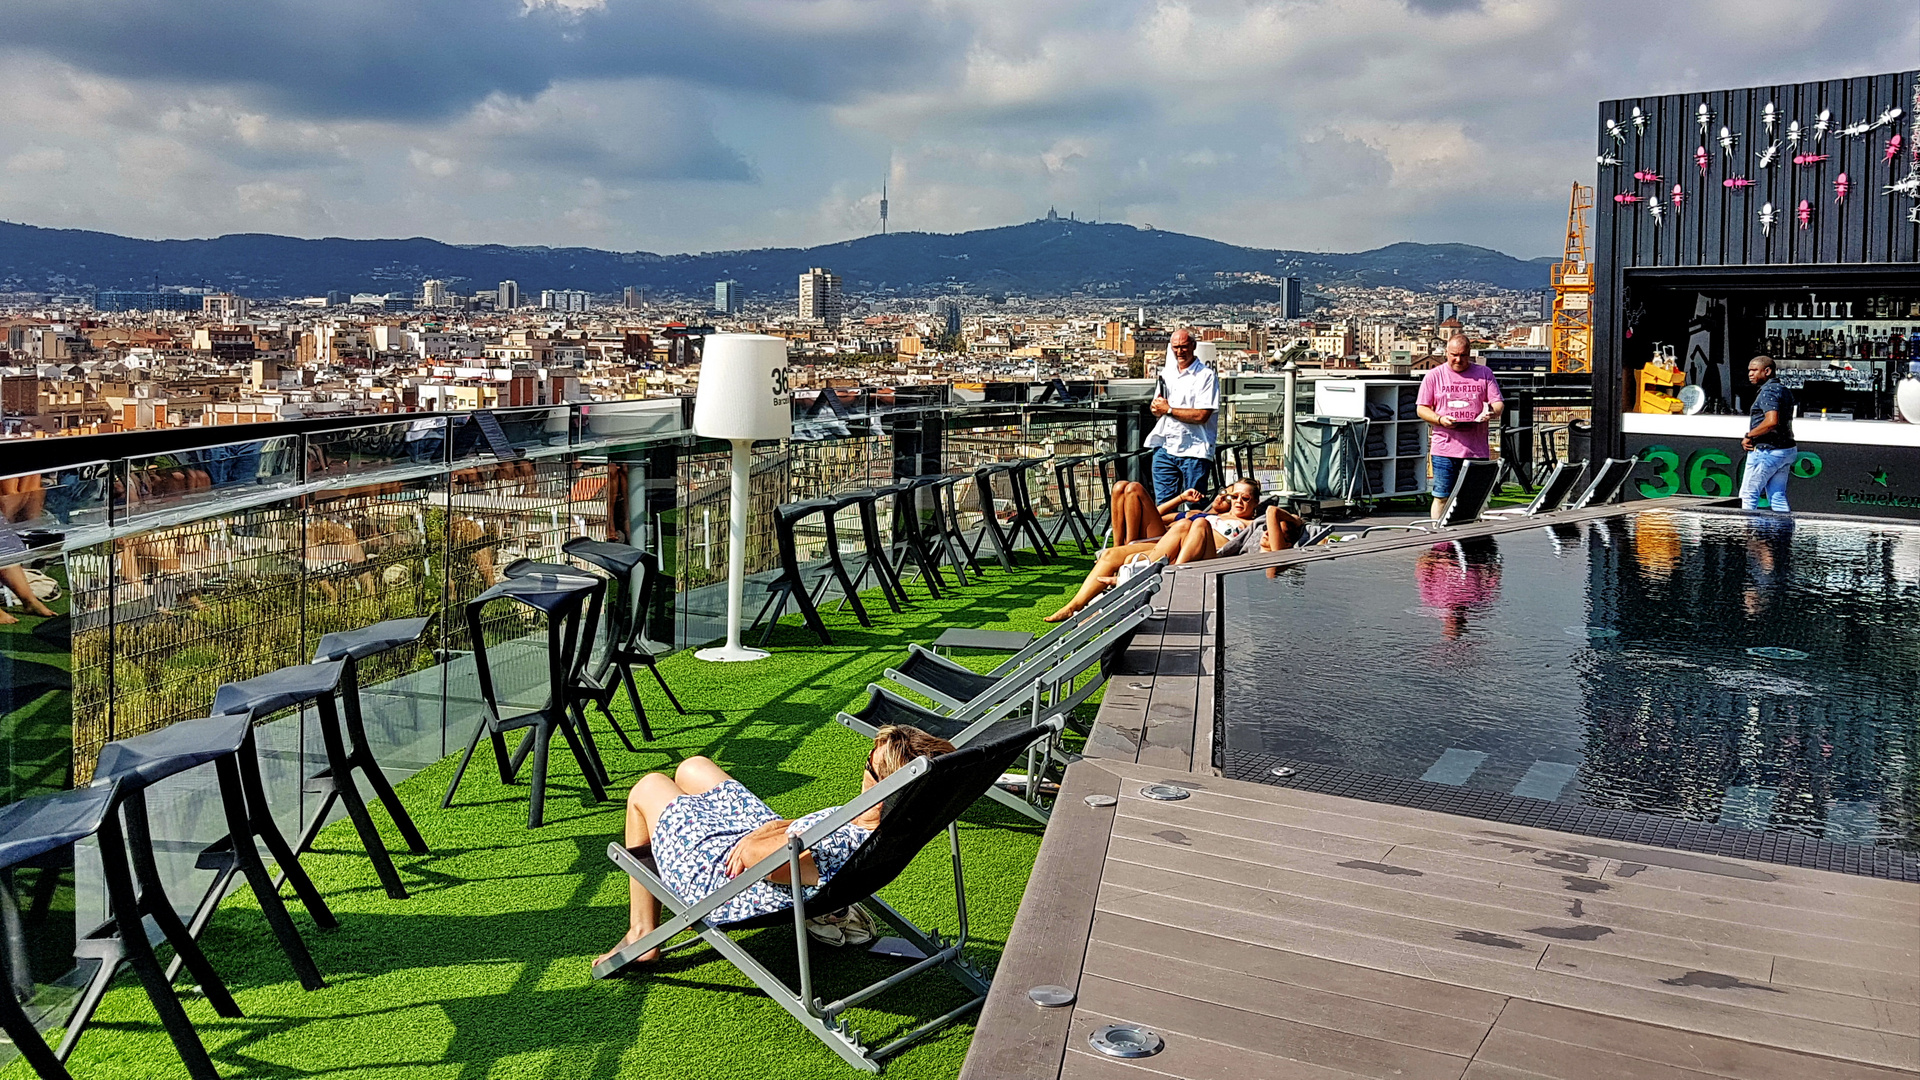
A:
(1039, 683)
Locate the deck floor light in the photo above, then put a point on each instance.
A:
(743, 398)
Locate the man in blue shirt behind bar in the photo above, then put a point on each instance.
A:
(1769, 443)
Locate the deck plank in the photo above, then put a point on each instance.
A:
(1260, 993)
(1589, 904)
(1364, 940)
(1476, 1007)
(1176, 1017)
(1015, 1039)
(1389, 897)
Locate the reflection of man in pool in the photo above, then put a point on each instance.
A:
(1457, 578)
(1768, 542)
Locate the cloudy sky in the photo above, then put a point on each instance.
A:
(689, 125)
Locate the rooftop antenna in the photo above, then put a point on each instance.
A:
(883, 206)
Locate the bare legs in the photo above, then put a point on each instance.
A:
(1135, 517)
(15, 578)
(1185, 541)
(645, 803)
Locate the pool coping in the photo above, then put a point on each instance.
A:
(1160, 710)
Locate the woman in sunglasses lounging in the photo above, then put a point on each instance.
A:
(1235, 526)
(706, 827)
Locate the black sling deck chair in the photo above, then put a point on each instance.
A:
(922, 798)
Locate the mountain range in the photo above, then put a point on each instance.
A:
(1045, 258)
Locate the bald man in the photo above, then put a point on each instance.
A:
(1183, 439)
(1460, 399)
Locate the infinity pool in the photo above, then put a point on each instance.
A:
(1754, 672)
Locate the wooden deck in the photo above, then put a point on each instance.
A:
(1270, 932)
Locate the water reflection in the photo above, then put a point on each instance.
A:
(1457, 579)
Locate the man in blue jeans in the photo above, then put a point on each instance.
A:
(1769, 443)
(1183, 439)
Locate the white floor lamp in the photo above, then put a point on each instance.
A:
(743, 398)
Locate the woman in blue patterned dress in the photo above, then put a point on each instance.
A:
(705, 828)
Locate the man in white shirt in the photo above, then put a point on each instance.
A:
(1183, 440)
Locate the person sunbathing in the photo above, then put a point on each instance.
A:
(1194, 538)
(1137, 519)
(706, 827)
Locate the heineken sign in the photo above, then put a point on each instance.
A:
(1829, 478)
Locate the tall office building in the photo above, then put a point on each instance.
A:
(509, 296)
(565, 299)
(1293, 300)
(820, 296)
(433, 294)
(1445, 310)
(948, 312)
(726, 296)
(632, 299)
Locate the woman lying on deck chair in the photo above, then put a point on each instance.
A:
(706, 827)
(1196, 537)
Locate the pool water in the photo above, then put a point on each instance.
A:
(1752, 671)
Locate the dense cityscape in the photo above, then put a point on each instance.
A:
(180, 356)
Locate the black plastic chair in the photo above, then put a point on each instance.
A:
(33, 829)
(571, 604)
(911, 543)
(636, 582)
(792, 584)
(1025, 522)
(873, 551)
(226, 740)
(354, 753)
(1072, 516)
(953, 533)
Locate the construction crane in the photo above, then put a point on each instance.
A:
(1572, 329)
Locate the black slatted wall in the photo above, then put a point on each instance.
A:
(1719, 226)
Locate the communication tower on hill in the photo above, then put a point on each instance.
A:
(883, 207)
(1572, 331)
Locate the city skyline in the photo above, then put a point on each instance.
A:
(1313, 126)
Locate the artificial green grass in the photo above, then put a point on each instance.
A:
(484, 971)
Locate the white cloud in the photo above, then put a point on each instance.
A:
(1330, 124)
(38, 159)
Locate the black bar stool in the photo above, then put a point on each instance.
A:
(35, 828)
(791, 585)
(1025, 522)
(874, 555)
(335, 782)
(564, 600)
(989, 514)
(910, 532)
(592, 682)
(1072, 516)
(636, 582)
(952, 534)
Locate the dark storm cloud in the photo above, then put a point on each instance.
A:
(430, 59)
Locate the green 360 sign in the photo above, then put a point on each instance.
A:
(1708, 472)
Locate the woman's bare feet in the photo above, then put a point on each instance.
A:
(1063, 614)
(632, 936)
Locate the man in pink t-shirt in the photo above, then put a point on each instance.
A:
(1459, 399)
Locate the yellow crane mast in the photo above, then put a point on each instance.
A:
(1573, 292)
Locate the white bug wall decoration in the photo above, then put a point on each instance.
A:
(1821, 123)
(1727, 139)
(1887, 118)
(1615, 132)
(1704, 117)
(1854, 131)
(1640, 121)
(1654, 209)
(1793, 133)
(1767, 218)
(1768, 117)
(1606, 159)
(1766, 156)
